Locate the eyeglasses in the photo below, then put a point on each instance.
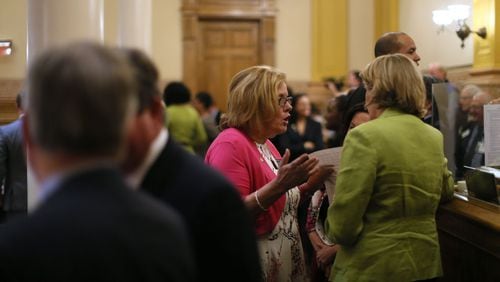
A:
(283, 100)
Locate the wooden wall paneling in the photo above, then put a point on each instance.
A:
(469, 237)
(226, 47)
(9, 88)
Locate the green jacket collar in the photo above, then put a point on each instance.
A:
(391, 112)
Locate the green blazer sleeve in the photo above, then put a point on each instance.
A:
(448, 184)
(353, 190)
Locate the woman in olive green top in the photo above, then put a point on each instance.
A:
(182, 120)
(392, 177)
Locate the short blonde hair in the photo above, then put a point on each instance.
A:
(252, 100)
(396, 83)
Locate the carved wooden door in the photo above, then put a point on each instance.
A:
(226, 47)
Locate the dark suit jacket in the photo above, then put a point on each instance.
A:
(13, 167)
(95, 228)
(293, 141)
(220, 229)
(469, 151)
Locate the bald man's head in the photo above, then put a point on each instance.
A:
(397, 42)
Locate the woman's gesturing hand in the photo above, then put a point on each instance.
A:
(296, 172)
(318, 177)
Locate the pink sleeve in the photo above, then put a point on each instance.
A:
(224, 157)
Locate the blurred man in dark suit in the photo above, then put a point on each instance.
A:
(90, 225)
(13, 178)
(218, 224)
(470, 144)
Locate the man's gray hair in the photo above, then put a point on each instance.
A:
(471, 90)
(79, 99)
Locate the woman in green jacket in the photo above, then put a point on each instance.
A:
(182, 120)
(392, 176)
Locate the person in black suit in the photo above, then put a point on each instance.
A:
(470, 147)
(90, 226)
(13, 178)
(219, 226)
(304, 134)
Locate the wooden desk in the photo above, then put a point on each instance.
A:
(469, 235)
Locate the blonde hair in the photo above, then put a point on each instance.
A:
(395, 82)
(252, 100)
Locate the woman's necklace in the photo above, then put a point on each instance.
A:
(267, 156)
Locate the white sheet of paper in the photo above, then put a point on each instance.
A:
(329, 156)
(492, 134)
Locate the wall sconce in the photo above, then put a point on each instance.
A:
(5, 47)
(458, 13)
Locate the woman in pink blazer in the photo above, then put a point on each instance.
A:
(258, 109)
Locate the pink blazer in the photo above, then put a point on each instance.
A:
(236, 156)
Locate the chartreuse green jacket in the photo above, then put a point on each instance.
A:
(392, 177)
(186, 126)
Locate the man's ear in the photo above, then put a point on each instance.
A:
(158, 109)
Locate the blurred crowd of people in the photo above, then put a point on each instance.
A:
(139, 184)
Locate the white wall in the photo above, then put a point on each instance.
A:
(444, 48)
(167, 38)
(13, 16)
(293, 39)
(360, 33)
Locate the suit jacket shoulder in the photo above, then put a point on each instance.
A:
(217, 220)
(95, 228)
(13, 172)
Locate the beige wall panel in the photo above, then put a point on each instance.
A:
(360, 36)
(416, 20)
(58, 22)
(293, 38)
(111, 22)
(167, 38)
(13, 26)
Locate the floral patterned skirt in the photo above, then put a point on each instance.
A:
(281, 254)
